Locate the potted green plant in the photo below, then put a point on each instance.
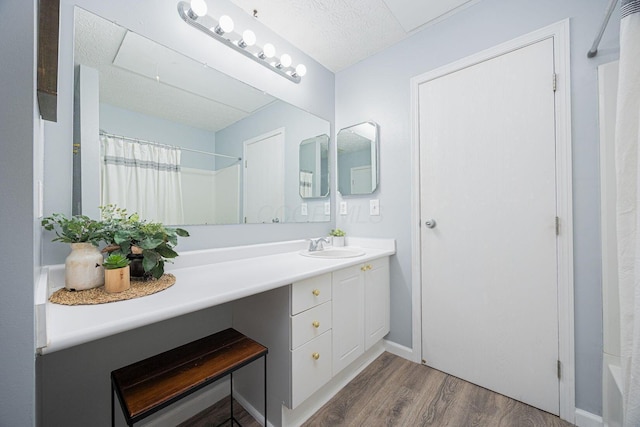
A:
(116, 273)
(337, 237)
(147, 244)
(83, 266)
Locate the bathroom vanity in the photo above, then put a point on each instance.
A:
(322, 318)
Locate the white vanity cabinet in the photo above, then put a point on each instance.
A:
(310, 339)
(361, 310)
(313, 328)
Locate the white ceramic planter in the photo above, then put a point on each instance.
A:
(337, 241)
(83, 267)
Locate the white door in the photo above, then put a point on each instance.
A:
(361, 180)
(264, 178)
(489, 265)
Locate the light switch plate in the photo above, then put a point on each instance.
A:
(343, 208)
(374, 207)
(303, 209)
(327, 208)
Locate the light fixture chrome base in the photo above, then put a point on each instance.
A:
(184, 10)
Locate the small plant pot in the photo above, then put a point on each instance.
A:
(337, 241)
(83, 267)
(117, 280)
(137, 270)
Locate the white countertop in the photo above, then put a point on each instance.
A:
(203, 279)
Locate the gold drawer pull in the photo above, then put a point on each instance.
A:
(366, 267)
(316, 324)
(315, 292)
(316, 356)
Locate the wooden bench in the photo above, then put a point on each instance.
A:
(149, 385)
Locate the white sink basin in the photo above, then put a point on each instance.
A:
(334, 253)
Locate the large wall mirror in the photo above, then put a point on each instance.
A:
(182, 143)
(358, 159)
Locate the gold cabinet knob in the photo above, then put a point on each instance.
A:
(366, 267)
(316, 324)
(315, 292)
(316, 356)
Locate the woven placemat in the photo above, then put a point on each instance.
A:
(139, 288)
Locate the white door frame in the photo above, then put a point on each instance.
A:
(559, 32)
(244, 157)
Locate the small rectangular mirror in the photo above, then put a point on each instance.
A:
(314, 167)
(358, 159)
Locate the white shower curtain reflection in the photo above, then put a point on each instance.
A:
(142, 178)
(628, 209)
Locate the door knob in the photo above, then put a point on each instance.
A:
(431, 223)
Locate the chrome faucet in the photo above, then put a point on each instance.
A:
(317, 244)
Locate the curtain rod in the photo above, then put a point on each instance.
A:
(594, 48)
(144, 141)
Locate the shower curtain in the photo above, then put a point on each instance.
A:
(306, 184)
(142, 178)
(628, 209)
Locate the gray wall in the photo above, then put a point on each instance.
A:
(377, 89)
(20, 166)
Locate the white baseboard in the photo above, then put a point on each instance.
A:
(587, 419)
(188, 407)
(399, 350)
(255, 413)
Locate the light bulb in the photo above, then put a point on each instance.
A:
(285, 60)
(225, 25)
(248, 39)
(198, 7)
(301, 70)
(268, 51)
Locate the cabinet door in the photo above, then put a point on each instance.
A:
(377, 301)
(347, 316)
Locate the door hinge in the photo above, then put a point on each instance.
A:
(245, 163)
(555, 82)
(559, 370)
(557, 226)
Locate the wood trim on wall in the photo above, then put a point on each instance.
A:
(48, 35)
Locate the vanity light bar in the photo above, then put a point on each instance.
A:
(194, 14)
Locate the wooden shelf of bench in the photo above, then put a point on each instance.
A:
(151, 384)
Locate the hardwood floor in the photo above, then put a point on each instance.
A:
(395, 392)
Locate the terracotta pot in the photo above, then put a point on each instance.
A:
(117, 280)
(83, 267)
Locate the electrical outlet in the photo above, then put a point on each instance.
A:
(303, 209)
(374, 207)
(343, 208)
(327, 208)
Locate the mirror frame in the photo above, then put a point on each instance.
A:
(375, 160)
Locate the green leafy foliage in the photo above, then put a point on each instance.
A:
(336, 232)
(154, 239)
(115, 261)
(77, 229)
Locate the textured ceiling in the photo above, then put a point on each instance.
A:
(339, 33)
(140, 75)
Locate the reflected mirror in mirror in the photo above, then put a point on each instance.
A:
(358, 159)
(179, 142)
(314, 167)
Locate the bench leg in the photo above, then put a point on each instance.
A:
(265, 390)
(113, 415)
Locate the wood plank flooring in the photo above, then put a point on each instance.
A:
(395, 392)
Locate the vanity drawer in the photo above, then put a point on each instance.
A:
(310, 292)
(310, 324)
(310, 368)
